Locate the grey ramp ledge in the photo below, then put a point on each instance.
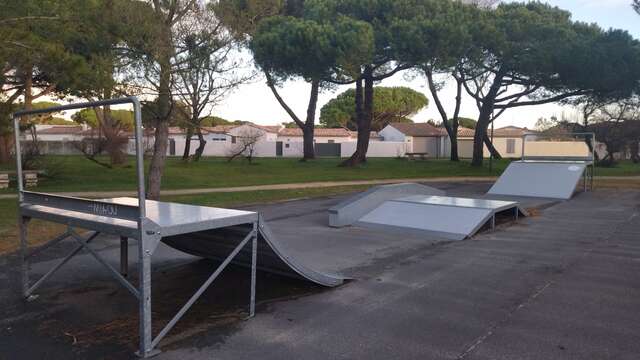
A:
(273, 256)
(541, 179)
(445, 217)
(351, 210)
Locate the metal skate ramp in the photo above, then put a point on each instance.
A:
(440, 216)
(351, 210)
(542, 178)
(272, 255)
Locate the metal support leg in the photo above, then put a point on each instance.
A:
(254, 261)
(146, 336)
(24, 263)
(517, 213)
(124, 256)
(493, 222)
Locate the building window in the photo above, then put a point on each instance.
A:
(286, 145)
(233, 139)
(511, 146)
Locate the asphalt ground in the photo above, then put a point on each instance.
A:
(561, 284)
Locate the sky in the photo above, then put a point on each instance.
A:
(254, 102)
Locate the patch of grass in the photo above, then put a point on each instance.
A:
(75, 173)
(41, 231)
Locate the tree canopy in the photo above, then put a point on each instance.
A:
(123, 119)
(287, 47)
(391, 104)
(533, 53)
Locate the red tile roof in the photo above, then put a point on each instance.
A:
(508, 131)
(417, 129)
(318, 132)
(61, 130)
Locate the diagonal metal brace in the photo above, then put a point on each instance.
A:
(202, 289)
(73, 253)
(48, 244)
(85, 244)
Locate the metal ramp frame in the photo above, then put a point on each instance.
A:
(148, 222)
(451, 218)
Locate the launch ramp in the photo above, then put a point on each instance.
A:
(272, 255)
(351, 210)
(441, 216)
(551, 167)
(541, 178)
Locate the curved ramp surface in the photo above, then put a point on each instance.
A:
(447, 217)
(544, 179)
(272, 256)
(351, 210)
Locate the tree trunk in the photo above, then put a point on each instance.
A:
(5, 142)
(634, 148)
(156, 168)
(364, 114)
(200, 149)
(484, 120)
(187, 144)
(309, 126)
(308, 142)
(492, 149)
(451, 128)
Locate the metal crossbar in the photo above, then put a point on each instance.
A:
(30, 290)
(83, 243)
(203, 288)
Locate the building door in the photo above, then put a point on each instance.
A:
(279, 149)
(172, 147)
(328, 149)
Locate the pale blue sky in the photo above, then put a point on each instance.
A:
(254, 102)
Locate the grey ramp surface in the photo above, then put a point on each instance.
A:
(449, 217)
(273, 257)
(174, 218)
(352, 209)
(544, 179)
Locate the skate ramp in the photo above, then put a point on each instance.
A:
(351, 210)
(273, 257)
(541, 179)
(451, 218)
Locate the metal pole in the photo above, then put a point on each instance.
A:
(16, 134)
(137, 110)
(491, 152)
(124, 256)
(254, 261)
(24, 262)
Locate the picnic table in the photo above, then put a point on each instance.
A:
(30, 178)
(416, 155)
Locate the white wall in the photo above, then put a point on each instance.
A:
(389, 133)
(377, 149)
(317, 139)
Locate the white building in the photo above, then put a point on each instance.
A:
(420, 138)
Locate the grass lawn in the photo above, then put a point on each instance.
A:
(41, 231)
(75, 173)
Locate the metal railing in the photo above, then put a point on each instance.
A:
(137, 112)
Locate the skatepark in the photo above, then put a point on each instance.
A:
(458, 270)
